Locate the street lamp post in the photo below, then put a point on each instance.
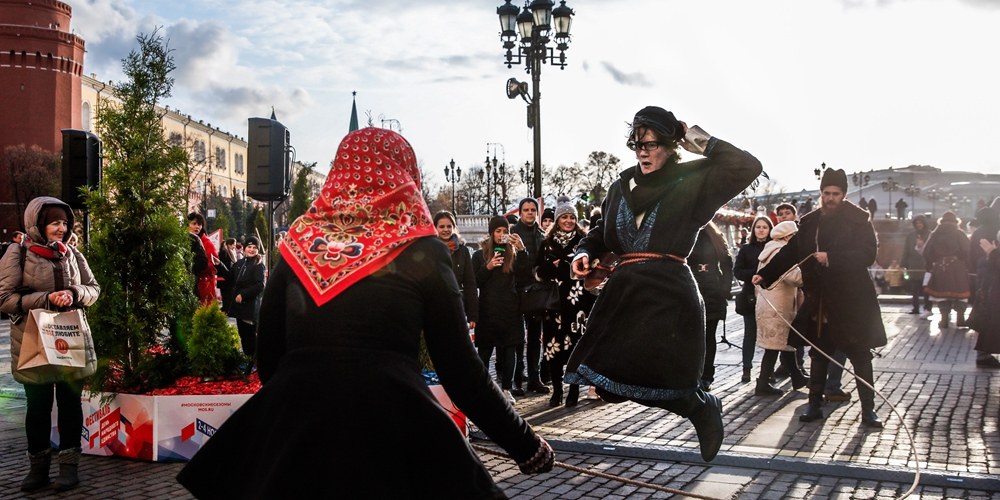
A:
(933, 194)
(452, 175)
(819, 171)
(526, 177)
(860, 180)
(534, 25)
(912, 191)
(889, 186)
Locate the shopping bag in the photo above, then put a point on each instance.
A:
(56, 343)
(539, 298)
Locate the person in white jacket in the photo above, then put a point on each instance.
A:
(772, 323)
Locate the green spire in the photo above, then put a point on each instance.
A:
(354, 111)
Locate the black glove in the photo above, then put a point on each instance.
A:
(541, 461)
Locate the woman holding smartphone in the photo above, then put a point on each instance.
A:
(500, 325)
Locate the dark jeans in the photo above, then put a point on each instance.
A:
(834, 373)
(708, 373)
(749, 339)
(504, 362)
(248, 336)
(534, 343)
(38, 418)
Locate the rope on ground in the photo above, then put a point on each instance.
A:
(574, 468)
(913, 446)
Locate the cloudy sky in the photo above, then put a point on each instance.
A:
(857, 84)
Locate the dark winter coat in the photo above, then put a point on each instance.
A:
(461, 264)
(646, 333)
(575, 302)
(988, 339)
(977, 257)
(532, 237)
(500, 320)
(343, 403)
(945, 254)
(226, 283)
(248, 283)
(747, 262)
(843, 290)
(912, 260)
(714, 276)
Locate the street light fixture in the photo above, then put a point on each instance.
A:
(819, 171)
(860, 180)
(889, 186)
(534, 24)
(453, 175)
(933, 194)
(526, 177)
(912, 191)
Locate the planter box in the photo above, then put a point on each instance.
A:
(155, 428)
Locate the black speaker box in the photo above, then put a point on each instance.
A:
(81, 165)
(268, 160)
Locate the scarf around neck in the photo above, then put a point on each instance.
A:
(563, 237)
(452, 243)
(649, 188)
(53, 250)
(369, 211)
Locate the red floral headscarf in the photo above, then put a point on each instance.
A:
(370, 209)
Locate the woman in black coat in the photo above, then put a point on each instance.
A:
(713, 271)
(227, 256)
(461, 263)
(744, 269)
(645, 338)
(343, 406)
(500, 325)
(247, 277)
(563, 328)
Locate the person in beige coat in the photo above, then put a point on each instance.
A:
(772, 326)
(54, 276)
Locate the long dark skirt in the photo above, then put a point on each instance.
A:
(645, 337)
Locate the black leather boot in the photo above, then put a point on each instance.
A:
(38, 475)
(945, 313)
(746, 375)
(869, 418)
(708, 424)
(764, 388)
(69, 461)
(764, 381)
(960, 320)
(557, 388)
(815, 409)
(573, 396)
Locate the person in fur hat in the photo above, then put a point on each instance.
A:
(945, 255)
(833, 248)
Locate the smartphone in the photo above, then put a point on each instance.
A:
(505, 238)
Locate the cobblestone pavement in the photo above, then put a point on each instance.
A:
(949, 405)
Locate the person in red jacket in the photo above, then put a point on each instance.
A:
(207, 276)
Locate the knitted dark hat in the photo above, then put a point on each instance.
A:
(252, 240)
(512, 219)
(498, 221)
(948, 218)
(548, 214)
(52, 213)
(660, 120)
(832, 177)
(521, 203)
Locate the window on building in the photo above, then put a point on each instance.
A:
(176, 139)
(220, 158)
(199, 150)
(238, 163)
(225, 191)
(85, 116)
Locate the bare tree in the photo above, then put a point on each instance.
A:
(28, 173)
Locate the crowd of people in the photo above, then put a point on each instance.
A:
(345, 304)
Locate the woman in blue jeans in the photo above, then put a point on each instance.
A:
(744, 269)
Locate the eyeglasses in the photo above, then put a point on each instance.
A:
(645, 146)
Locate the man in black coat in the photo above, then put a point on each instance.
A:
(833, 248)
(913, 262)
(532, 237)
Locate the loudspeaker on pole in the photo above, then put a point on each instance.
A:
(81, 165)
(268, 160)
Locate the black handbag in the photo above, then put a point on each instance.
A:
(746, 303)
(539, 298)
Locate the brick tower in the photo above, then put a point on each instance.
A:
(40, 67)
